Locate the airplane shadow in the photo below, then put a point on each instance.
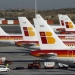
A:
(24, 49)
(71, 69)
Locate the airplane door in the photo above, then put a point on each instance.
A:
(70, 55)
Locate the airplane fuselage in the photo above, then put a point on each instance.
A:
(66, 56)
(10, 39)
(18, 40)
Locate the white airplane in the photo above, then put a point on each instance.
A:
(68, 30)
(9, 39)
(67, 26)
(29, 34)
(17, 39)
(51, 47)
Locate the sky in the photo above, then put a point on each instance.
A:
(41, 4)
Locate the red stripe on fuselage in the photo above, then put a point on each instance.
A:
(37, 42)
(60, 53)
(5, 37)
(65, 42)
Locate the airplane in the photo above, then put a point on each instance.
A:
(68, 27)
(51, 47)
(9, 39)
(67, 39)
(29, 34)
(65, 26)
(17, 39)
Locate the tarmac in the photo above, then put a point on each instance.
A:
(21, 58)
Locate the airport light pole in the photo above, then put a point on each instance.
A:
(35, 8)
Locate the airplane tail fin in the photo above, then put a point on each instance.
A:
(47, 38)
(27, 29)
(69, 25)
(2, 32)
(61, 20)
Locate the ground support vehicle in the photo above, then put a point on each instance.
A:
(49, 65)
(34, 65)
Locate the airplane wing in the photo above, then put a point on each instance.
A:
(24, 44)
(28, 45)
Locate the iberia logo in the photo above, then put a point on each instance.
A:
(28, 31)
(69, 24)
(62, 22)
(46, 38)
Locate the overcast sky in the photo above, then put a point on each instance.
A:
(41, 4)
